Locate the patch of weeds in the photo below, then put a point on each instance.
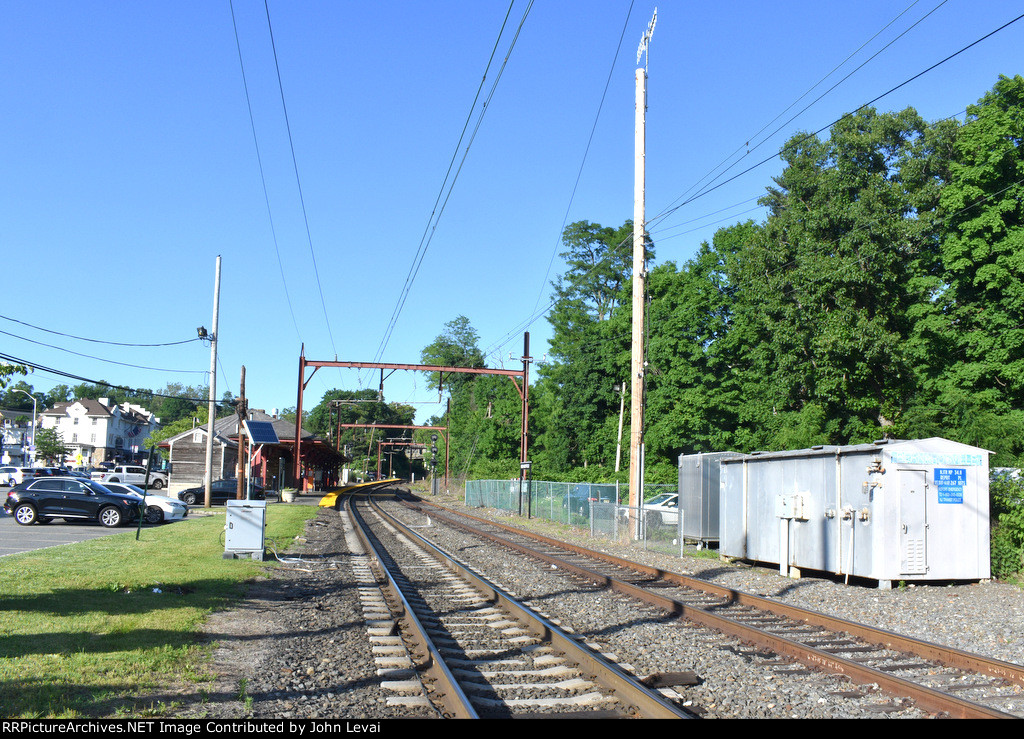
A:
(243, 694)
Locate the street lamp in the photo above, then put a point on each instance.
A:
(34, 404)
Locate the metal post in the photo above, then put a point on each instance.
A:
(35, 405)
(622, 407)
(297, 462)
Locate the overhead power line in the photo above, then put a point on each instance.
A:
(103, 383)
(263, 177)
(871, 102)
(439, 203)
(539, 313)
(98, 341)
(101, 359)
(298, 181)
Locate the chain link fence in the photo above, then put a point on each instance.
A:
(591, 507)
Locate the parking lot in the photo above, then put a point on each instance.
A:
(15, 538)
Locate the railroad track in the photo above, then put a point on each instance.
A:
(480, 653)
(937, 679)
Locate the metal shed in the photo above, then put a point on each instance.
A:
(892, 510)
(699, 491)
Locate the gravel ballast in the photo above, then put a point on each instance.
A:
(298, 646)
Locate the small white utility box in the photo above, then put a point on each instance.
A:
(244, 531)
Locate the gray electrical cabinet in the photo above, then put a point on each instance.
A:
(245, 529)
(888, 511)
(699, 492)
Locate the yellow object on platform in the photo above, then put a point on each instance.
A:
(331, 499)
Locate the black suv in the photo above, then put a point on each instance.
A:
(42, 499)
(221, 491)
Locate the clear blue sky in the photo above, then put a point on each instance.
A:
(129, 162)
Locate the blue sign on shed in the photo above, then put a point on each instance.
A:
(950, 482)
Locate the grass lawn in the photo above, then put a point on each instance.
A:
(86, 626)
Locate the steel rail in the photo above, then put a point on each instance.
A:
(454, 702)
(927, 698)
(641, 701)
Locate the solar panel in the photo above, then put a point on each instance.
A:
(261, 432)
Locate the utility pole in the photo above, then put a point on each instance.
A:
(636, 408)
(243, 459)
(212, 414)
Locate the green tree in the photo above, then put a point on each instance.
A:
(977, 335)
(9, 370)
(589, 347)
(50, 445)
(18, 395)
(455, 346)
(340, 407)
(834, 276)
(57, 394)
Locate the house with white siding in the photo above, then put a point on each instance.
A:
(100, 430)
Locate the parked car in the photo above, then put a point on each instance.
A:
(132, 474)
(661, 510)
(14, 475)
(159, 508)
(220, 491)
(578, 499)
(42, 499)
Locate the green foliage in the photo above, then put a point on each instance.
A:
(881, 296)
(50, 445)
(341, 407)
(456, 346)
(8, 370)
(1007, 511)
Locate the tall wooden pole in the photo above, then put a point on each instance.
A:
(212, 414)
(243, 458)
(636, 408)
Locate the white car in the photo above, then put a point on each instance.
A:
(661, 510)
(131, 474)
(14, 475)
(159, 508)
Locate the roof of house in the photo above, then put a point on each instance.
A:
(226, 429)
(92, 408)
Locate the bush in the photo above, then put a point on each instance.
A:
(1007, 512)
(1007, 555)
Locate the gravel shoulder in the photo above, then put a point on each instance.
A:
(297, 646)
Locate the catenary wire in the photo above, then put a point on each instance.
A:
(298, 181)
(874, 100)
(419, 261)
(263, 177)
(539, 313)
(586, 151)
